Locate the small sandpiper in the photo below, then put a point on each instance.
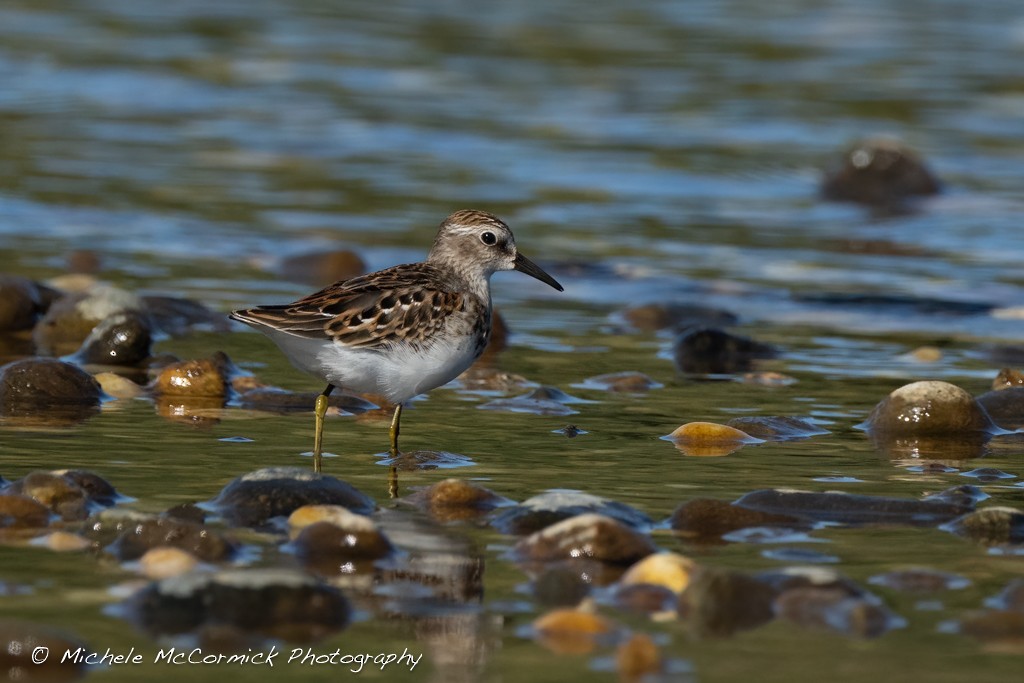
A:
(404, 330)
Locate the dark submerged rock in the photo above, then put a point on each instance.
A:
(271, 603)
(204, 543)
(543, 400)
(122, 339)
(703, 519)
(550, 507)
(1005, 406)
(257, 497)
(559, 586)
(718, 603)
(327, 547)
(919, 580)
(453, 500)
(72, 495)
(586, 536)
(848, 508)
(174, 316)
(676, 316)
(275, 400)
(776, 428)
(991, 526)
(19, 641)
(22, 512)
(22, 302)
(45, 388)
(711, 351)
(832, 609)
(621, 382)
(879, 172)
(70, 320)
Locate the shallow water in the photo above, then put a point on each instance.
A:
(657, 151)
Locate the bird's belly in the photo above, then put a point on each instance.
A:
(400, 372)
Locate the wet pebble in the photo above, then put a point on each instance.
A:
(965, 496)
(64, 542)
(708, 439)
(995, 627)
(196, 539)
(848, 508)
(586, 536)
(920, 580)
(879, 172)
(559, 586)
(928, 408)
(776, 428)
(995, 525)
(48, 389)
(453, 500)
(123, 339)
(272, 603)
(676, 316)
(656, 601)
(328, 548)
(1008, 378)
(832, 609)
(20, 640)
(21, 303)
(21, 512)
(988, 474)
(572, 631)
(1005, 406)
(116, 386)
(711, 351)
(543, 510)
(71, 319)
(638, 659)
(257, 497)
(621, 382)
(668, 570)
(60, 493)
(720, 602)
(163, 562)
(707, 518)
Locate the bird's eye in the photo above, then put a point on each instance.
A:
(488, 238)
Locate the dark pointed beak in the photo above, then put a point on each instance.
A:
(525, 265)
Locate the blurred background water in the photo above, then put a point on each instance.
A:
(642, 152)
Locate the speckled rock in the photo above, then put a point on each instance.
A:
(123, 339)
(72, 318)
(273, 603)
(704, 519)
(710, 351)
(543, 510)
(19, 640)
(198, 378)
(257, 497)
(928, 408)
(879, 172)
(452, 500)
(834, 610)
(22, 301)
(719, 602)
(201, 541)
(42, 385)
(1005, 406)
(995, 525)
(586, 536)
(21, 512)
(776, 428)
(848, 508)
(676, 316)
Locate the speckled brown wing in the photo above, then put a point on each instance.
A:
(404, 303)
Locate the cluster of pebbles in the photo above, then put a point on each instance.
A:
(288, 554)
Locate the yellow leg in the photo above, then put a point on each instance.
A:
(319, 411)
(395, 428)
